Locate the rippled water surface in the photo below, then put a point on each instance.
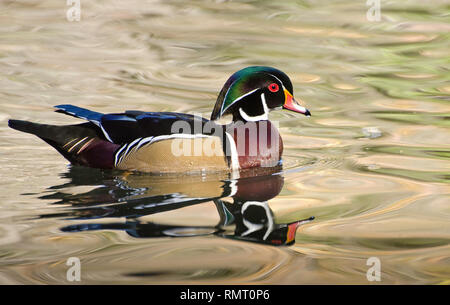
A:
(371, 164)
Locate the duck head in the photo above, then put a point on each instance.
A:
(250, 93)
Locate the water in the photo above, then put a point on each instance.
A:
(371, 164)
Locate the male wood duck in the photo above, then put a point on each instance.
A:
(169, 142)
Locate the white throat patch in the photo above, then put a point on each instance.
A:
(264, 116)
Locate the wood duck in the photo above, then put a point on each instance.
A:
(169, 142)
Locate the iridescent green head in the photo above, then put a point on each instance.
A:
(250, 93)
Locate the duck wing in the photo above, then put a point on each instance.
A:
(120, 128)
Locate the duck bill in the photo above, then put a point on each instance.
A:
(292, 229)
(291, 104)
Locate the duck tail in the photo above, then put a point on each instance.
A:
(39, 130)
(81, 144)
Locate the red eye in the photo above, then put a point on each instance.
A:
(273, 87)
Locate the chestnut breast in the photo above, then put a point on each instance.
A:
(258, 144)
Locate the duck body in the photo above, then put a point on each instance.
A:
(170, 142)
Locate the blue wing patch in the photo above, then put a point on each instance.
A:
(117, 117)
(123, 128)
(82, 113)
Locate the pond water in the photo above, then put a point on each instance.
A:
(371, 165)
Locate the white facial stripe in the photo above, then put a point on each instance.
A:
(263, 100)
(264, 116)
(236, 100)
(278, 80)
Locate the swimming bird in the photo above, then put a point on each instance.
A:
(170, 142)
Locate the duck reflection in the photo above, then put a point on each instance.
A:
(242, 204)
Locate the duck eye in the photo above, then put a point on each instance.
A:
(273, 87)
